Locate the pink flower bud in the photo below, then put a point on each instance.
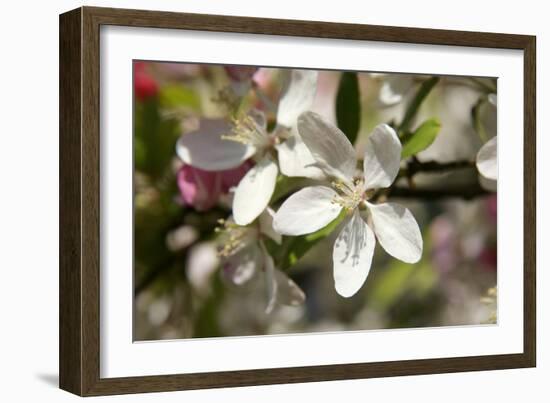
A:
(198, 188)
(232, 177)
(202, 189)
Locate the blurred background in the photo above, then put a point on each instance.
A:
(180, 291)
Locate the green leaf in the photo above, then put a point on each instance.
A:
(206, 319)
(294, 248)
(399, 279)
(416, 102)
(155, 139)
(421, 139)
(175, 96)
(348, 106)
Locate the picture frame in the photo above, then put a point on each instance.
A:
(80, 200)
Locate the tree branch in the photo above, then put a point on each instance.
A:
(466, 192)
(414, 166)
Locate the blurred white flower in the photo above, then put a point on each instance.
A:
(201, 264)
(241, 78)
(486, 160)
(216, 145)
(492, 99)
(181, 237)
(159, 310)
(394, 87)
(312, 208)
(243, 253)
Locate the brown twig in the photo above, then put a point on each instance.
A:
(415, 166)
(466, 192)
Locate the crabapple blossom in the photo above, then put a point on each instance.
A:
(218, 145)
(244, 254)
(240, 73)
(312, 208)
(394, 87)
(486, 160)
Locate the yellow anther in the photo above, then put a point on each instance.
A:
(232, 238)
(349, 195)
(247, 131)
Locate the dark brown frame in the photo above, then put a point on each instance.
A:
(79, 200)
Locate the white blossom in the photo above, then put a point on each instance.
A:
(486, 160)
(394, 87)
(217, 145)
(244, 254)
(312, 208)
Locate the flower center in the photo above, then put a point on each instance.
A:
(349, 195)
(247, 130)
(233, 237)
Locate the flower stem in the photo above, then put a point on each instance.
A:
(412, 108)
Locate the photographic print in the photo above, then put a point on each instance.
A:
(279, 201)
(227, 188)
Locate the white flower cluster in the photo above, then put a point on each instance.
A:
(304, 144)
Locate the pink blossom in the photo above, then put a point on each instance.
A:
(202, 189)
(240, 73)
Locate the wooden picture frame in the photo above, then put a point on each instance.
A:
(80, 200)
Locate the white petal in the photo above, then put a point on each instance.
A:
(288, 292)
(205, 149)
(306, 211)
(279, 287)
(352, 256)
(270, 280)
(330, 147)
(382, 157)
(487, 159)
(254, 191)
(240, 267)
(397, 231)
(296, 160)
(259, 118)
(266, 225)
(297, 97)
(394, 88)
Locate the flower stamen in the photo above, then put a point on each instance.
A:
(349, 197)
(233, 237)
(246, 130)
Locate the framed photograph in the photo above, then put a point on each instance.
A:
(249, 201)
